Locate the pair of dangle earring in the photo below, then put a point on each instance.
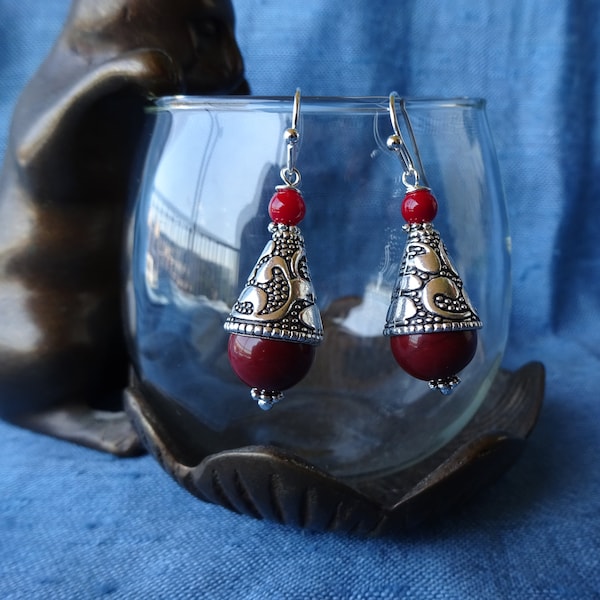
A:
(431, 322)
(275, 324)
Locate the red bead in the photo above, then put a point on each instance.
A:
(419, 206)
(434, 355)
(287, 206)
(268, 364)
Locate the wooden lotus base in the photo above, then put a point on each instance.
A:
(269, 483)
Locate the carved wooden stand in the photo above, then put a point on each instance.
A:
(269, 483)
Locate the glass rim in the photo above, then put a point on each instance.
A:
(312, 104)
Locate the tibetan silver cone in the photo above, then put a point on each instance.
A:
(428, 296)
(278, 300)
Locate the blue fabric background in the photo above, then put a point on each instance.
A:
(78, 524)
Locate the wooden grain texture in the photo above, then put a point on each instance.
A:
(270, 483)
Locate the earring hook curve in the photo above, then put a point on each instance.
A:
(412, 176)
(290, 174)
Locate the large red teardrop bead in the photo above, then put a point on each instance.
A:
(438, 355)
(419, 206)
(287, 206)
(268, 364)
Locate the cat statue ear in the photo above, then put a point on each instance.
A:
(63, 191)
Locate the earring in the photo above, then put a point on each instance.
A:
(275, 324)
(431, 321)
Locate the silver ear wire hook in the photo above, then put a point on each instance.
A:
(411, 177)
(296, 109)
(290, 174)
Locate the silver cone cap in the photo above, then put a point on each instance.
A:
(428, 295)
(278, 300)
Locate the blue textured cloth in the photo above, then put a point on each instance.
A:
(78, 524)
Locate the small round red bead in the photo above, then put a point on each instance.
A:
(287, 206)
(268, 364)
(436, 355)
(419, 206)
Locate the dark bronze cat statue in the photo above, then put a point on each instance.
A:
(63, 193)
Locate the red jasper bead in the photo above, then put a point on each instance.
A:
(419, 206)
(268, 364)
(287, 206)
(436, 355)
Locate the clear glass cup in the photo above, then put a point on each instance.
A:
(199, 222)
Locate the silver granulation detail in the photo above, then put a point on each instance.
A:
(266, 399)
(429, 295)
(278, 300)
(444, 385)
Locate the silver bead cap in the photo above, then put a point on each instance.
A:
(278, 300)
(429, 295)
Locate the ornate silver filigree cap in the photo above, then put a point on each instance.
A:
(278, 300)
(429, 294)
